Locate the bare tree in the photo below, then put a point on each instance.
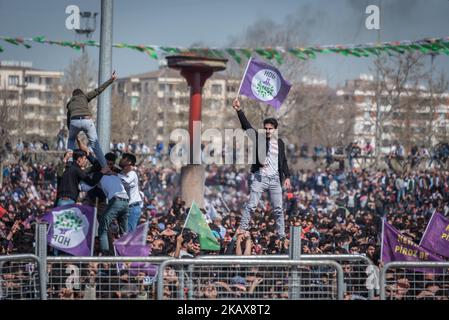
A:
(121, 119)
(321, 117)
(80, 73)
(397, 95)
(436, 129)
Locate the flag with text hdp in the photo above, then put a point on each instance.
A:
(71, 229)
(265, 83)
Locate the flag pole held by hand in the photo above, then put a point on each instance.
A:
(244, 75)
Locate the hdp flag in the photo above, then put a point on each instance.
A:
(265, 83)
(397, 247)
(71, 229)
(436, 236)
(133, 244)
(196, 222)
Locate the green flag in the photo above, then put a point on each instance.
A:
(197, 223)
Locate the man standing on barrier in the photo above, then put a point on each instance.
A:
(79, 118)
(268, 174)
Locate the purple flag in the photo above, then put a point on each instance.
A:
(71, 229)
(397, 247)
(436, 236)
(265, 83)
(133, 244)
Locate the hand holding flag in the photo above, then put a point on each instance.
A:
(236, 104)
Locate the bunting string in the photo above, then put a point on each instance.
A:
(238, 54)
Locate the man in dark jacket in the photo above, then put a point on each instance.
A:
(68, 187)
(268, 173)
(79, 118)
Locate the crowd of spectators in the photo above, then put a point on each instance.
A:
(340, 211)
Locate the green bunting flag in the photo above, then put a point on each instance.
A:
(234, 54)
(11, 40)
(40, 39)
(425, 46)
(170, 50)
(246, 52)
(91, 43)
(16, 41)
(120, 45)
(298, 53)
(151, 52)
(196, 222)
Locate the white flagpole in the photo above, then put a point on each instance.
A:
(145, 233)
(117, 265)
(187, 218)
(94, 226)
(243, 78)
(384, 220)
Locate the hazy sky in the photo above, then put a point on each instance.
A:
(215, 23)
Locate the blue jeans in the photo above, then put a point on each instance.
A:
(134, 216)
(401, 194)
(259, 184)
(64, 202)
(116, 209)
(88, 127)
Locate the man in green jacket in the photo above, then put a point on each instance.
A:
(79, 118)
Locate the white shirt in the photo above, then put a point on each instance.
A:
(145, 149)
(271, 162)
(112, 186)
(131, 183)
(333, 188)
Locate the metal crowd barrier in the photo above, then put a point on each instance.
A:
(415, 281)
(361, 276)
(249, 279)
(21, 278)
(102, 278)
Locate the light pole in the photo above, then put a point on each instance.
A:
(104, 73)
(88, 25)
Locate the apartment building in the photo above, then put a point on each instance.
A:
(31, 102)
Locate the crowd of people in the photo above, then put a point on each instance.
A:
(339, 211)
